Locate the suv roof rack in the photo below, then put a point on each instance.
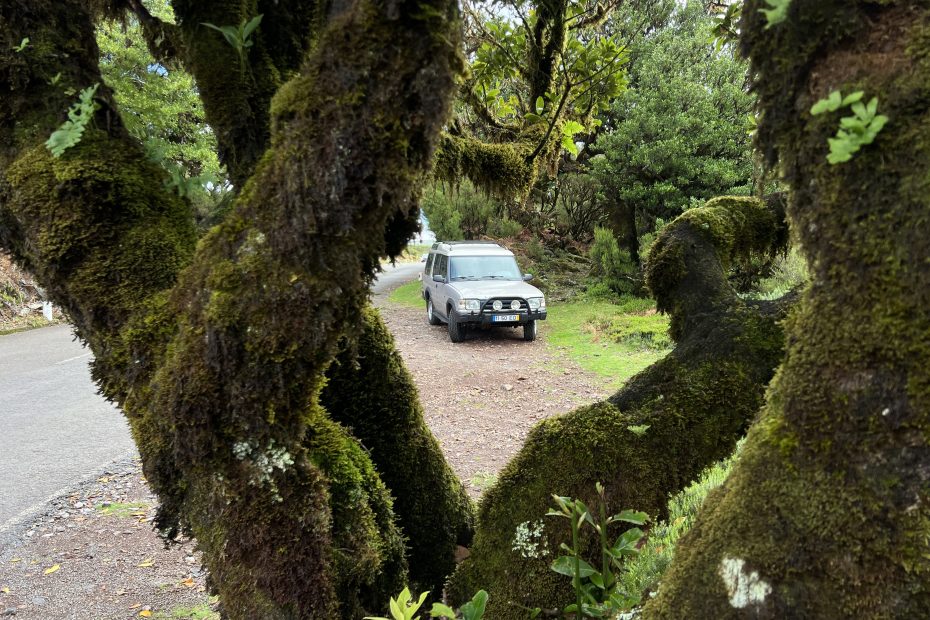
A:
(470, 242)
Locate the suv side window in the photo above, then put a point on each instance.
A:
(428, 270)
(443, 267)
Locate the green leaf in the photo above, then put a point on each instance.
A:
(396, 612)
(565, 565)
(474, 609)
(70, 132)
(540, 105)
(777, 14)
(534, 119)
(22, 45)
(853, 98)
(442, 611)
(831, 104)
(626, 543)
(597, 580)
(630, 516)
(570, 128)
(251, 26)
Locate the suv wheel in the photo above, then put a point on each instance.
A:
(431, 317)
(529, 331)
(456, 330)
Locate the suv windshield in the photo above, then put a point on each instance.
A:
(484, 267)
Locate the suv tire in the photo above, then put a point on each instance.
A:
(529, 331)
(431, 317)
(456, 330)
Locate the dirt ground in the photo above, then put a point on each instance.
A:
(93, 554)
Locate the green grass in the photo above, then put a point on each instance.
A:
(613, 340)
(483, 480)
(407, 295)
(204, 611)
(125, 510)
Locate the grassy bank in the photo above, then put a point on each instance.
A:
(615, 340)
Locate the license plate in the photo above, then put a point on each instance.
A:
(505, 318)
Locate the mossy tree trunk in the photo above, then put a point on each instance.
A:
(826, 514)
(697, 402)
(432, 507)
(217, 353)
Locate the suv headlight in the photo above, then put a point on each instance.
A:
(537, 303)
(469, 305)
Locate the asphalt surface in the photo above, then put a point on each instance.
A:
(392, 277)
(54, 427)
(55, 430)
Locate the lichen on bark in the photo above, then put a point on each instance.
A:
(828, 504)
(697, 402)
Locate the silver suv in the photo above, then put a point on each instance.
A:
(471, 283)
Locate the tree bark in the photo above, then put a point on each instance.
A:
(826, 514)
(218, 355)
(369, 391)
(697, 402)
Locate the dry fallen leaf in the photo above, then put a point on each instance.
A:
(145, 613)
(49, 571)
(147, 562)
(135, 606)
(188, 582)
(5, 590)
(15, 560)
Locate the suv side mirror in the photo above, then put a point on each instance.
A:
(439, 278)
(527, 277)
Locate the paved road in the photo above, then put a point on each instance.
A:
(392, 277)
(54, 427)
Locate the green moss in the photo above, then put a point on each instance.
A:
(687, 265)
(433, 510)
(368, 547)
(503, 170)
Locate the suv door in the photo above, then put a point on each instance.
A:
(438, 293)
(427, 277)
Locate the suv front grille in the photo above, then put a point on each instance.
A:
(505, 301)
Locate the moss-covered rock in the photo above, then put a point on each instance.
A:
(825, 515)
(433, 510)
(697, 402)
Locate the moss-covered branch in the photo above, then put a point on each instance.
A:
(504, 170)
(237, 85)
(697, 402)
(826, 513)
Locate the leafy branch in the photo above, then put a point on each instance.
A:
(238, 36)
(858, 130)
(79, 116)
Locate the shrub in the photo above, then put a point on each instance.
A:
(611, 265)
